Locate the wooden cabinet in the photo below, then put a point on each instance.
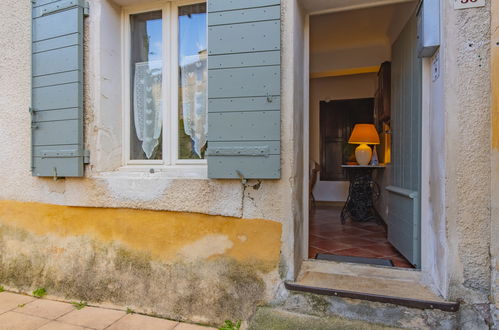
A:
(382, 97)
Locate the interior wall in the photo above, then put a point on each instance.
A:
(328, 89)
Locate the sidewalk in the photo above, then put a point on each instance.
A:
(20, 312)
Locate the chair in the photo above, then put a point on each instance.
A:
(313, 174)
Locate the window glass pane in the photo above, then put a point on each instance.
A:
(193, 77)
(145, 90)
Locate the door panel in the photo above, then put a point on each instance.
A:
(404, 199)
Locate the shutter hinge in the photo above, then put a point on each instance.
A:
(86, 156)
(86, 9)
(33, 118)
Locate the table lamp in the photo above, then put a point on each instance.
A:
(364, 134)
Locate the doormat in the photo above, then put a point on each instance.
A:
(357, 260)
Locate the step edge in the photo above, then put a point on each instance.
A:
(401, 301)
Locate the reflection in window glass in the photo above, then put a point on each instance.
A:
(193, 74)
(146, 76)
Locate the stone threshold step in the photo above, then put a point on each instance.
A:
(403, 293)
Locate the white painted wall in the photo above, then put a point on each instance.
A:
(327, 89)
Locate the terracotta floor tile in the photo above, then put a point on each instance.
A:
(359, 239)
(313, 251)
(383, 249)
(401, 262)
(380, 236)
(356, 252)
(332, 245)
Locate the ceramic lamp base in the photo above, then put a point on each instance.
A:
(363, 154)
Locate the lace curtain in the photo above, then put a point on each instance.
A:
(194, 102)
(147, 105)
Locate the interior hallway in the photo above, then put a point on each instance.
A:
(356, 239)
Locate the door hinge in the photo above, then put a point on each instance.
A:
(86, 9)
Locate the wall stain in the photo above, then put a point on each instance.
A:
(161, 234)
(206, 291)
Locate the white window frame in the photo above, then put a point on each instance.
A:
(169, 89)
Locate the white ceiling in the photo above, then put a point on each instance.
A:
(328, 6)
(356, 38)
(351, 29)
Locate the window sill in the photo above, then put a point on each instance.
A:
(160, 172)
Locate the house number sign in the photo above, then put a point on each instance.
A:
(463, 4)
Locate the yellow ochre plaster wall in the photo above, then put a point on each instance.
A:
(165, 235)
(183, 266)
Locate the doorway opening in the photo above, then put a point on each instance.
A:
(365, 104)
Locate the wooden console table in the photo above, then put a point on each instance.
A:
(362, 193)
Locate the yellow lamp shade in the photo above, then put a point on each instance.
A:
(364, 134)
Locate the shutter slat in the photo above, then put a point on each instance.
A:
(56, 61)
(56, 97)
(247, 37)
(245, 15)
(244, 104)
(56, 132)
(57, 88)
(240, 82)
(226, 167)
(244, 88)
(54, 115)
(38, 3)
(56, 25)
(244, 126)
(56, 79)
(222, 5)
(55, 43)
(244, 60)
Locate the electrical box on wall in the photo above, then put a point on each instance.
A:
(428, 28)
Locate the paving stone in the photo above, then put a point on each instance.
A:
(92, 317)
(18, 321)
(56, 325)
(141, 322)
(187, 326)
(9, 301)
(47, 309)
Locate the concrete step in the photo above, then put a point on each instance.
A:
(372, 312)
(404, 293)
(278, 319)
(373, 294)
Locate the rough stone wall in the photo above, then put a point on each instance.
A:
(465, 68)
(494, 233)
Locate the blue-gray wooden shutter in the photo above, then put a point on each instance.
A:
(244, 89)
(404, 199)
(57, 88)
